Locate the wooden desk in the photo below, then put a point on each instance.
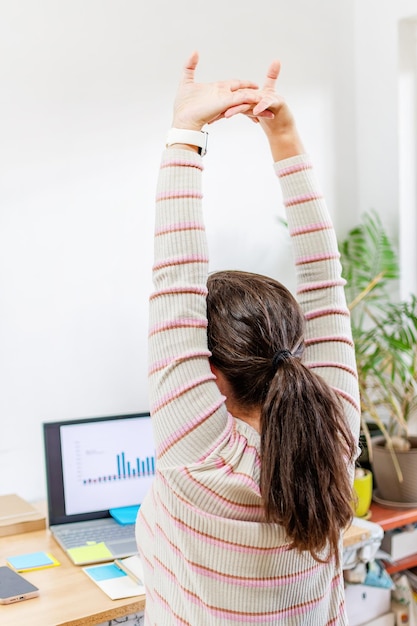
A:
(389, 519)
(67, 596)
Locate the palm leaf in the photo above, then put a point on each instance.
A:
(370, 265)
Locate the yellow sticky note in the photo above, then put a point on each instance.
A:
(89, 554)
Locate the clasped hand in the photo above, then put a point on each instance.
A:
(197, 104)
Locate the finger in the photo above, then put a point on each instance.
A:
(266, 114)
(189, 68)
(216, 119)
(272, 74)
(267, 102)
(247, 109)
(239, 108)
(242, 84)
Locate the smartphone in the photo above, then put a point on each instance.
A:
(14, 588)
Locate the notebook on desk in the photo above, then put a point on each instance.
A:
(92, 466)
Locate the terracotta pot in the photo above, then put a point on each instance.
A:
(389, 487)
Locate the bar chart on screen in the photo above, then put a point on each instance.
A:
(124, 469)
(107, 462)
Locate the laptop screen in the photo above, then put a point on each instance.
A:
(96, 464)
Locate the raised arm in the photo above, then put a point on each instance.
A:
(188, 411)
(320, 287)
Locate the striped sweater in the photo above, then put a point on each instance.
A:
(209, 557)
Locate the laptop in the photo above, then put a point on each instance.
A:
(98, 470)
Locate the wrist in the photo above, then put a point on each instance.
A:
(187, 125)
(196, 139)
(285, 145)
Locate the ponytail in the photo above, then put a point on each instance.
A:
(255, 335)
(305, 446)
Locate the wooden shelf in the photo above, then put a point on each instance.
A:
(398, 566)
(389, 519)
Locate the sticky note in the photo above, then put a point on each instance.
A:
(92, 552)
(113, 581)
(125, 514)
(104, 572)
(32, 561)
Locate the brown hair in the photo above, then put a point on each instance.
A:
(256, 337)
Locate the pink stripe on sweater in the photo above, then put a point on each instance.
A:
(179, 227)
(311, 315)
(252, 582)
(242, 443)
(321, 284)
(336, 365)
(148, 530)
(173, 291)
(310, 228)
(189, 426)
(180, 260)
(314, 258)
(346, 396)
(212, 540)
(234, 438)
(329, 339)
(231, 505)
(147, 562)
(175, 324)
(306, 197)
(294, 169)
(335, 620)
(179, 621)
(225, 434)
(157, 366)
(243, 478)
(241, 617)
(175, 195)
(180, 391)
(177, 162)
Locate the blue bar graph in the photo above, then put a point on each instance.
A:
(125, 469)
(139, 469)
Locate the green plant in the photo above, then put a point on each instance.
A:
(384, 331)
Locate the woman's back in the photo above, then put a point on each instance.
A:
(208, 553)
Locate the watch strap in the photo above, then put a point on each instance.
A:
(190, 137)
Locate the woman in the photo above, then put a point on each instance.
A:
(254, 396)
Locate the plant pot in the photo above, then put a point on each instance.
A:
(389, 486)
(362, 486)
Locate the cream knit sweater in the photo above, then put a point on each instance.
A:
(209, 557)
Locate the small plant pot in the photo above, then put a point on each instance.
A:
(389, 486)
(362, 486)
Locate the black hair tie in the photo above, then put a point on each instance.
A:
(280, 357)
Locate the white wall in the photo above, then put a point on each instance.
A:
(386, 111)
(86, 92)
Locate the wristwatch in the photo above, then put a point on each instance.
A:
(190, 137)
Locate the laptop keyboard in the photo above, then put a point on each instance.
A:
(109, 533)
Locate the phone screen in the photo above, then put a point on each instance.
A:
(14, 588)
